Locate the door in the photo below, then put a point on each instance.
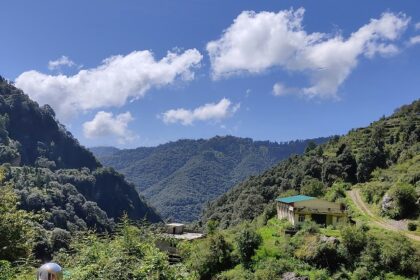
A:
(320, 219)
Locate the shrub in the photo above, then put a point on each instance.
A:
(412, 226)
(247, 241)
(211, 256)
(404, 201)
(6, 271)
(353, 241)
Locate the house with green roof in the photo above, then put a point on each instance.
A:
(300, 208)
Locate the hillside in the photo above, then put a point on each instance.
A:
(381, 159)
(53, 173)
(178, 178)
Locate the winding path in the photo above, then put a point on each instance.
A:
(361, 205)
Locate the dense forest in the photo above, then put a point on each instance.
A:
(179, 178)
(55, 177)
(382, 159)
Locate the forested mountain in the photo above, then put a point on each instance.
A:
(178, 178)
(383, 159)
(52, 173)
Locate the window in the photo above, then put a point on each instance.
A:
(301, 218)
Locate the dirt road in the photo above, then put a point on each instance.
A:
(361, 205)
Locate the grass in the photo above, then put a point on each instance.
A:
(273, 238)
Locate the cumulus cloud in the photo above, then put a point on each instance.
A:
(279, 89)
(414, 40)
(256, 42)
(114, 82)
(62, 61)
(210, 111)
(104, 124)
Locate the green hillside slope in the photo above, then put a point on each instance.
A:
(52, 172)
(363, 156)
(178, 178)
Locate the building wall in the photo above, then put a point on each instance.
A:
(319, 206)
(304, 209)
(284, 212)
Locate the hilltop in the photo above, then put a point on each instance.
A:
(179, 178)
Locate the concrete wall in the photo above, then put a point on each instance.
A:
(285, 211)
(291, 212)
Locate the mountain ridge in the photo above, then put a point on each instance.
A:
(179, 177)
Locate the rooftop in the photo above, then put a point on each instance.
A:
(185, 235)
(175, 225)
(295, 198)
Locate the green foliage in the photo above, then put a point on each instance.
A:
(247, 242)
(398, 255)
(212, 226)
(6, 270)
(336, 192)
(404, 199)
(130, 254)
(318, 252)
(353, 240)
(52, 173)
(15, 227)
(312, 187)
(364, 155)
(208, 258)
(412, 226)
(180, 177)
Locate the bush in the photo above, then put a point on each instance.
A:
(412, 226)
(398, 255)
(353, 240)
(319, 252)
(404, 199)
(211, 256)
(6, 271)
(247, 242)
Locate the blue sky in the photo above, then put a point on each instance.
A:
(269, 70)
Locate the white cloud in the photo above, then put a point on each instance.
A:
(256, 42)
(112, 83)
(210, 111)
(62, 61)
(417, 26)
(414, 40)
(104, 124)
(279, 89)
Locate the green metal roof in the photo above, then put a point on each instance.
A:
(295, 198)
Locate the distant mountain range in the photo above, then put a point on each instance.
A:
(179, 178)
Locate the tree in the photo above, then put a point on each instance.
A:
(346, 159)
(312, 187)
(247, 242)
(311, 146)
(371, 157)
(15, 227)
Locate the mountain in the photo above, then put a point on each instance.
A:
(53, 173)
(178, 178)
(383, 160)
